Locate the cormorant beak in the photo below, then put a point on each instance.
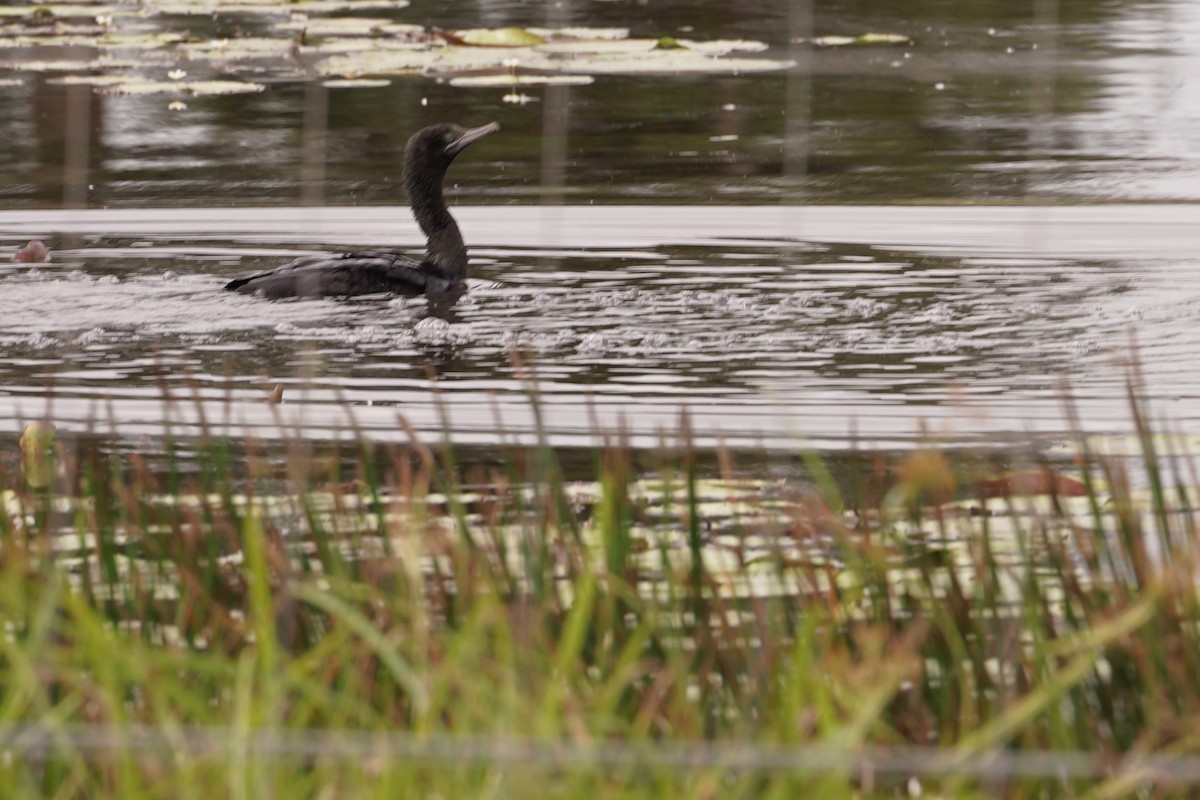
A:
(462, 142)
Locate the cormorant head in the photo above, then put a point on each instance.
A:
(431, 150)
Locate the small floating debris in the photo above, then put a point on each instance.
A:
(35, 252)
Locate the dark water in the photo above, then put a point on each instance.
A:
(711, 274)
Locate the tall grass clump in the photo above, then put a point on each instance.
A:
(296, 619)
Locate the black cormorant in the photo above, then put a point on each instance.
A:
(440, 273)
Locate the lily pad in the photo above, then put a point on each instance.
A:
(288, 7)
(669, 43)
(356, 83)
(719, 47)
(493, 37)
(195, 88)
(619, 57)
(350, 26)
(242, 47)
(50, 11)
(101, 40)
(862, 39)
(558, 34)
(71, 65)
(357, 47)
(606, 46)
(416, 61)
(88, 80)
(504, 80)
(713, 48)
(678, 62)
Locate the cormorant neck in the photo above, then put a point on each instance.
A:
(445, 250)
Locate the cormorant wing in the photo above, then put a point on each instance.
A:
(343, 276)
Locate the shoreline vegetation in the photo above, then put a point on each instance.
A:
(289, 618)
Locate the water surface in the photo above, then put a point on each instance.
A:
(647, 244)
(875, 323)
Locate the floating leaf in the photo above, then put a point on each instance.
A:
(605, 46)
(719, 47)
(624, 57)
(291, 7)
(561, 34)
(680, 62)
(88, 80)
(862, 39)
(507, 79)
(715, 48)
(51, 11)
(196, 88)
(832, 41)
(356, 83)
(417, 60)
(884, 38)
(669, 43)
(131, 41)
(68, 65)
(349, 47)
(493, 37)
(244, 47)
(350, 26)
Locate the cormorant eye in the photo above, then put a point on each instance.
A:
(449, 138)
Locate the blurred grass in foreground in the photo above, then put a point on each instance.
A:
(295, 619)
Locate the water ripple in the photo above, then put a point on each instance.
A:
(832, 333)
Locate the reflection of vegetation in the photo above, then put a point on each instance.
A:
(318, 620)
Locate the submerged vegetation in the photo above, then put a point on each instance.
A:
(299, 619)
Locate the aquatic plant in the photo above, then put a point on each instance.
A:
(297, 618)
(131, 49)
